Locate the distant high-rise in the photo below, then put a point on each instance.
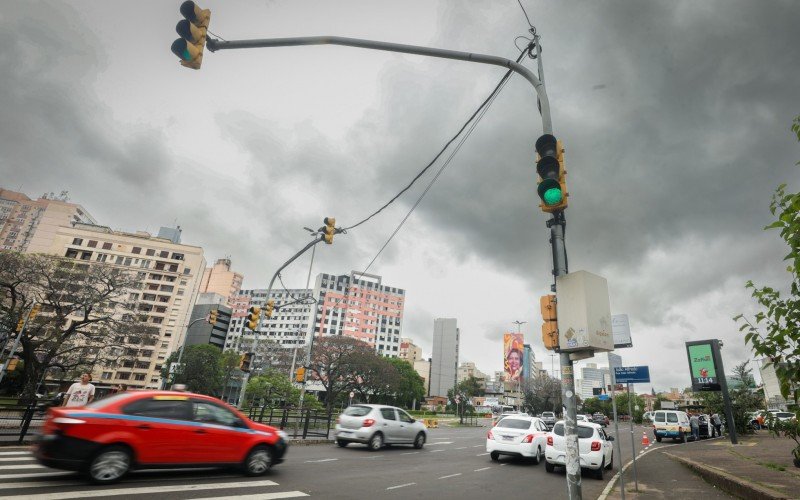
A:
(528, 362)
(220, 279)
(444, 363)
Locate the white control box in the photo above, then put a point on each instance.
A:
(583, 312)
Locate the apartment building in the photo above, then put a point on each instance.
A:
(30, 226)
(169, 273)
(467, 370)
(444, 363)
(221, 280)
(409, 351)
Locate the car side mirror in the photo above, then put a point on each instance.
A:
(610, 438)
(413, 420)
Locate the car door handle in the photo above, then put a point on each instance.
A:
(200, 431)
(144, 427)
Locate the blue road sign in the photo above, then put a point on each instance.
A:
(603, 397)
(632, 374)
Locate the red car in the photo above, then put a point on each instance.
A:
(153, 429)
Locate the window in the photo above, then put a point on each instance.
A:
(150, 252)
(160, 408)
(86, 255)
(357, 411)
(127, 261)
(106, 246)
(205, 411)
(106, 376)
(404, 417)
(388, 414)
(514, 423)
(77, 241)
(71, 254)
(177, 256)
(136, 250)
(163, 253)
(583, 431)
(672, 418)
(123, 375)
(187, 271)
(139, 376)
(92, 244)
(659, 417)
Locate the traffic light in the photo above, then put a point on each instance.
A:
(329, 229)
(550, 325)
(552, 187)
(245, 360)
(212, 316)
(270, 308)
(300, 374)
(192, 29)
(252, 317)
(12, 364)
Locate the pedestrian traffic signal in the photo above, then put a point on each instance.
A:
(192, 29)
(245, 360)
(550, 325)
(253, 315)
(212, 316)
(330, 229)
(270, 308)
(300, 375)
(552, 187)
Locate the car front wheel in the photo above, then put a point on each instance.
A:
(376, 442)
(342, 443)
(109, 465)
(258, 461)
(419, 441)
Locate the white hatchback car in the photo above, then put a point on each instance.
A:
(596, 451)
(519, 436)
(377, 425)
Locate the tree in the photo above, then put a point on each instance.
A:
(331, 364)
(410, 387)
(87, 318)
(374, 378)
(542, 393)
(229, 363)
(201, 369)
(273, 388)
(744, 401)
(774, 332)
(462, 395)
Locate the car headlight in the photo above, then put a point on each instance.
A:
(282, 435)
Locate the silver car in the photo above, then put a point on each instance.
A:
(376, 425)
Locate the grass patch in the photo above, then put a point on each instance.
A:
(772, 465)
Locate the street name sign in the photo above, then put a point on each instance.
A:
(632, 374)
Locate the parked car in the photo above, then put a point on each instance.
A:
(600, 419)
(583, 418)
(377, 425)
(143, 429)
(594, 445)
(549, 419)
(705, 426)
(519, 436)
(672, 424)
(647, 416)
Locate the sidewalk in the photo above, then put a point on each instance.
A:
(760, 466)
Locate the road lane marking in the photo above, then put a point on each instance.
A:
(6, 453)
(482, 454)
(477, 446)
(158, 489)
(17, 459)
(462, 448)
(32, 475)
(400, 486)
(478, 470)
(502, 465)
(410, 453)
(262, 496)
(322, 460)
(451, 475)
(22, 466)
(442, 442)
(36, 484)
(436, 451)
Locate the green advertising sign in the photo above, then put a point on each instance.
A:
(702, 365)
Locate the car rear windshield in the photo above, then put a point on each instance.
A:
(548, 414)
(672, 417)
(514, 423)
(583, 431)
(357, 411)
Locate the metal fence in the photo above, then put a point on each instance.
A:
(20, 421)
(303, 424)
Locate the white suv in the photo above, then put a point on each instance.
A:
(596, 451)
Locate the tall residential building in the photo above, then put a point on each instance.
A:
(200, 331)
(360, 306)
(169, 273)
(423, 369)
(221, 280)
(409, 351)
(30, 225)
(444, 363)
(528, 361)
(467, 370)
(593, 377)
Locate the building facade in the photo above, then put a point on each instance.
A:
(30, 225)
(592, 378)
(221, 280)
(444, 362)
(409, 351)
(468, 369)
(169, 279)
(201, 331)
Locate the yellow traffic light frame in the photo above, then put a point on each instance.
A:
(562, 181)
(192, 29)
(253, 315)
(329, 230)
(547, 305)
(269, 309)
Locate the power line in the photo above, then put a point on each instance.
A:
(526, 14)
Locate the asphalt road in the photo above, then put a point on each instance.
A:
(452, 465)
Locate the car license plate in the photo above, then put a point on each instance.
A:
(508, 438)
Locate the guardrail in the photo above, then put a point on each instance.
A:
(307, 423)
(19, 420)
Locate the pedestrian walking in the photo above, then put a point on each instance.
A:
(694, 423)
(80, 393)
(716, 422)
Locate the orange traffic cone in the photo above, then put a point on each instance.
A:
(645, 441)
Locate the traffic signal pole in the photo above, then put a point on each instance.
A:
(556, 224)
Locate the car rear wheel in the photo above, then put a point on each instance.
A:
(658, 439)
(109, 465)
(495, 456)
(342, 443)
(598, 474)
(682, 439)
(538, 457)
(376, 442)
(610, 465)
(549, 467)
(258, 461)
(419, 441)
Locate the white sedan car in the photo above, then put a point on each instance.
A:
(519, 436)
(596, 451)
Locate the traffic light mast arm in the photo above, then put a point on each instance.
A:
(547, 125)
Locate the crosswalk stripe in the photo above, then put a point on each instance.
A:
(94, 493)
(6, 453)
(17, 459)
(22, 466)
(31, 475)
(36, 484)
(263, 496)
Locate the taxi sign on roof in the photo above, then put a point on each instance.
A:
(171, 398)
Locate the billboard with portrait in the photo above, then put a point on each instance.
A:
(513, 349)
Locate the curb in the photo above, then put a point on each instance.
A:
(728, 482)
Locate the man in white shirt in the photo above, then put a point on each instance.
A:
(80, 393)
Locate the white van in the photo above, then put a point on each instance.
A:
(672, 424)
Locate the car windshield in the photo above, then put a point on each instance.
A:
(357, 411)
(514, 423)
(548, 414)
(583, 431)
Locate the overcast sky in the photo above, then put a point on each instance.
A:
(675, 117)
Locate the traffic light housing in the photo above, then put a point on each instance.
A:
(245, 360)
(12, 364)
(189, 47)
(300, 374)
(270, 307)
(212, 316)
(34, 311)
(550, 322)
(329, 230)
(253, 315)
(552, 188)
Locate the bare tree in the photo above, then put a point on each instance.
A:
(332, 364)
(87, 316)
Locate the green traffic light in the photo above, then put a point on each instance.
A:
(552, 196)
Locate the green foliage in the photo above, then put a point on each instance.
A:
(273, 388)
(409, 387)
(464, 391)
(743, 401)
(774, 332)
(786, 428)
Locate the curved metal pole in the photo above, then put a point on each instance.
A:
(547, 125)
